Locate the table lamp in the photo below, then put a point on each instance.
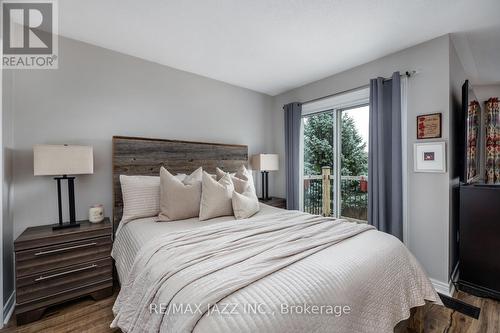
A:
(265, 163)
(61, 161)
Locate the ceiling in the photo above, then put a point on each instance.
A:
(479, 52)
(272, 46)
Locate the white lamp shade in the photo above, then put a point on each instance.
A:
(265, 162)
(56, 160)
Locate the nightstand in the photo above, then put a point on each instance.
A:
(275, 202)
(54, 266)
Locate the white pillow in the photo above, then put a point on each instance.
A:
(219, 173)
(195, 176)
(242, 179)
(245, 204)
(180, 176)
(216, 197)
(179, 200)
(239, 184)
(141, 196)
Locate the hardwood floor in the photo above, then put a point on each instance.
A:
(434, 318)
(87, 315)
(83, 315)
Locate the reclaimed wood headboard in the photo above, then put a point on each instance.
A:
(142, 156)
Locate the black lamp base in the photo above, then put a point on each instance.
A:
(265, 186)
(71, 203)
(65, 225)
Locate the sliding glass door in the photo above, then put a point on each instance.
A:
(354, 164)
(319, 134)
(335, 162)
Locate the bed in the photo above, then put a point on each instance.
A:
(131, 237)
(278, 271)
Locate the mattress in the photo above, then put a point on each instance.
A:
(131, 237)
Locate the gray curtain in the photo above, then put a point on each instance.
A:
(293, 113)
(385, 189)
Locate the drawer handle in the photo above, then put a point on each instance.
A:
(41, 278)
(41, 253)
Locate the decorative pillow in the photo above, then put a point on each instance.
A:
(242, 179)
(245, 174)
(195, 176)
(181, 176)
(216, 197)
(141, 197)
(245, 204)
(179, 200)
(219, 173)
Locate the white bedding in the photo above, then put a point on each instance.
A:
(371, 272)
(131, 236)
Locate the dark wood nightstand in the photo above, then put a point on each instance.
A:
(275, 202)
(54, 266)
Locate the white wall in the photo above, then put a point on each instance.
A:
(484, 92)
(7, 189)
(428, 92)
(97, 93)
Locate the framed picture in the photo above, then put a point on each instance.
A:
(429, 126)
(429, 157)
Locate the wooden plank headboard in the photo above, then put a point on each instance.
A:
(142, 156)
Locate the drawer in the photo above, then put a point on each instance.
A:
(44, 285)
(73, 293)
(41, 236)
(42, 259)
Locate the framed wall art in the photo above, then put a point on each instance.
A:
(429, 157)
(429, 126)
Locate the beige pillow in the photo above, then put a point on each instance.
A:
(242, 179)
(245, 174)
(141, 197)
(180, 176)
(219, 173)
(195, 176)
(179, 200)
(245, 204)
(216, 197)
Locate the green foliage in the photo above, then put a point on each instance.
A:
(318, 152)
(354, 157)
(318, 146)
(318, 143)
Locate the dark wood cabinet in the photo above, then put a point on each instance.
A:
(479, 241)
(54, 266)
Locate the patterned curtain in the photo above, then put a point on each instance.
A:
(473, 139)
(492, 142)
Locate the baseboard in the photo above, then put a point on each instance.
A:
(8, 308)
(480, 291)
(442, 287)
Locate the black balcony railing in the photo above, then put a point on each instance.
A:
(313, 195)
(353, 196)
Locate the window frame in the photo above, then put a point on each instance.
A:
(335, 104)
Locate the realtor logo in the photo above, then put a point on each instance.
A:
(29, 34)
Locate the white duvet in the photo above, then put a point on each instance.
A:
(283, 272)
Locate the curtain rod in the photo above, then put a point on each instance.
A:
(407, 74)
